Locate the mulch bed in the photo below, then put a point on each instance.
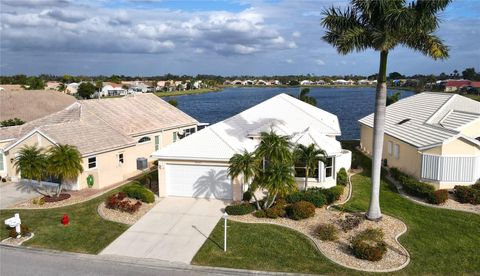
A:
(56, 198)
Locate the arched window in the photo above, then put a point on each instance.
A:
(144, 139)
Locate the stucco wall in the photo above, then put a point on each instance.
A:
(472, 130)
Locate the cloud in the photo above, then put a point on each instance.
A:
(319, 62)
(296, 34)
(289, 60)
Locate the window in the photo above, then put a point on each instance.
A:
(396, 151)
(144, 140)
(157, 142)
(175, 136)
(92, 162)
(189, 131)
(120, 158)
(390, 147)
(2, 166)
(329, 167)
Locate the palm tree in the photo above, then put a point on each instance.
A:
(304, 97)
(247, 165)
(277, 179)
(393, 99)
(65, 163)
(382, 25)
(309, 156)
(274, 148)
(31, 163)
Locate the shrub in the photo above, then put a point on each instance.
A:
(118, 202)
(278, 210)
(396, 173)
(247, 196)
(476, 186)
(137, 191)
(333, 194)
(260, 214)
(438, 197)
(121, 195)
(24, 230)
(301, 210)
(342, 177)
(369, 245)
(416, 188)
(327, 232)
(239, 209)
(350, 222)
(466, 194)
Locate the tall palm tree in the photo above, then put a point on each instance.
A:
(277, 179)
(304, 97)
(382, 25)
(309, 156)
(274, 148)
(247, 165)
(31, 163)
(65, 163)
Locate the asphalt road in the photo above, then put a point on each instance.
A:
(25, 261)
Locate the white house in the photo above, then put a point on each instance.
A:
(364, 82)
(306, 82)
(340, 82)
(112, 89)
(197, 165)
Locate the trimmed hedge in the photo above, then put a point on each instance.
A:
(438, 197)
(342, 177)
(137, 191)
(301, 210)
(416, 188)
(468, 194)
(239, 209)
(317, 196)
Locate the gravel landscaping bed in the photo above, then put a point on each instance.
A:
(124, 217)
(17, 242)
(338, 251)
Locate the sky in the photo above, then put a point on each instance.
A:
(235, 37)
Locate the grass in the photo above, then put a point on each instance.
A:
(187, 92)
(473, 97)
(264, 247)
(441, 242)
(87, 232)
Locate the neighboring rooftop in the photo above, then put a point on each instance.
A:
(100, 125)
(29, 105)
(283, 114)
(428, 118)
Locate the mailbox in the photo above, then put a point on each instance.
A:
(14, 222)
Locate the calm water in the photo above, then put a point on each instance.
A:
(349, 104)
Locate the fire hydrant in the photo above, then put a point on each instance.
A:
(65, 219)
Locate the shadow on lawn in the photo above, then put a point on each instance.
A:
(208, 238)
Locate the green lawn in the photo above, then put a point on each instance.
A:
(441, 242)
(86, 233)
(187, 92)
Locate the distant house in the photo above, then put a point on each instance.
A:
(248, 82)
(112, 89)
(227, 82)
(72, 88)
(455, 85)
(340, 82)
(364, 82)
(320, 82)
(52, 85)
(237, 82)
(306, 82)
(111, 134)
(434, 137)
(261, 82)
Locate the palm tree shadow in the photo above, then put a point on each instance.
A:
(214, 184)
(26, 187)
(207, 237)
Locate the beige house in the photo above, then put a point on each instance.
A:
(434, 137)
(109, 133)
(197, 166)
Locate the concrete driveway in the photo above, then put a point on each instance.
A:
(12, 193)
(174, 230)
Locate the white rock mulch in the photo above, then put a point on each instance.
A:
(338, 251)
(17, 242)
(124, 217)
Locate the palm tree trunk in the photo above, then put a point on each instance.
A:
(307, 170)
(374, 212)
(256, 201)
(273, 200)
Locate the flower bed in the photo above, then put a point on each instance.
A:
(60, 197)
(123, 217)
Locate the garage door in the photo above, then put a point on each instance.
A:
(198, 181)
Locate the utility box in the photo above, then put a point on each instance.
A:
(142, 163)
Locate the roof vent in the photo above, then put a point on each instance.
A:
(403, 121)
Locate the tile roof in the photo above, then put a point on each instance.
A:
(282, 113)
(91, 126)
(424, 112)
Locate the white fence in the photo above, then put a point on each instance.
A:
(450, 168)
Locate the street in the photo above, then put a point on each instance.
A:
(27, 261)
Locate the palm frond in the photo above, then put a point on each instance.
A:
(428, 44)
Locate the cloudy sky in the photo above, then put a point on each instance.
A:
(154, 37)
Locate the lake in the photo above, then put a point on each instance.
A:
(349, 104)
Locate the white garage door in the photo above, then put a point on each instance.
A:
(198, 181)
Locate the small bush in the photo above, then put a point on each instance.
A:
(121, 195)
(41, 201)
(278, 210)
(416, 188)
(333, 194)
(24, 230)
(247, 196)
(369, 245)
(239, 209)
(476, 186)
(301, 210)
(467, 194)
(438, 197)
(260, 214)
(350, 222)
(137, 191)
(342, 177)
(327, 232)
(396, 173)
(118, 202)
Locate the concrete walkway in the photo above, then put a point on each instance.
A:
(174, 230)
(12, 193)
